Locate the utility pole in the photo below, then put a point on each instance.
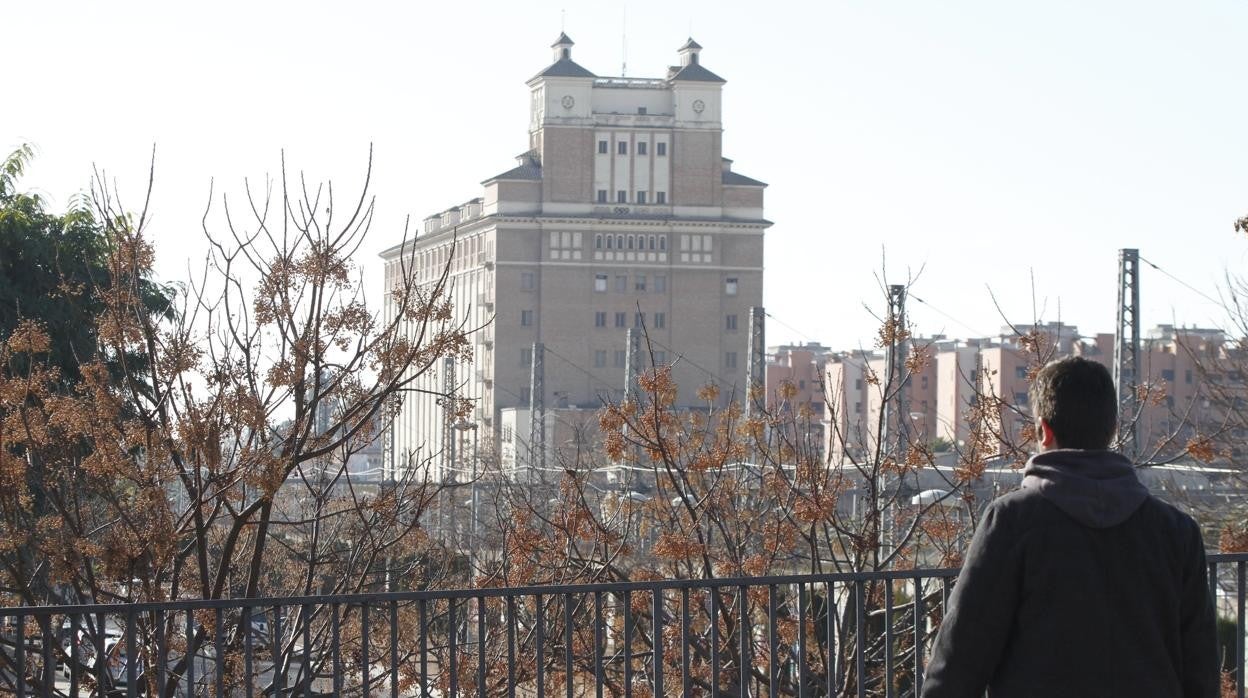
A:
(756, 390)
(632, 365)
(537, 412)
(896, 406)
(1127, 350)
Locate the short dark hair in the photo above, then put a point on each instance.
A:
(1078, 399)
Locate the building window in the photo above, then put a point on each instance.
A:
(619, 242)
(1020, 399)
(639, 320)
(598, 241)
(621, 319)
(730, 286)
(660, 358)
(526, 318)
(1167, 374)
(730, 322)
(858, 407)
(660, 284)
(621, 284)
(660, 197)
(639, 283)
(622, 147)
(610, 242)
(603, 147)
(602, 196)
(600, 358)
(631, 240)
(641, 197)
(641, 111)
(600, 319)
(526, 356)
(600, 283)
(660, 321)
(1020, 371)
(621, 197)
(858, 384)
(662, 243)
(1187, 376)
(527, 281)
(730, 360)
(651, 242)
(618, 361)
(660, 149)
(524, 396)
(923, 383)
(641, 146)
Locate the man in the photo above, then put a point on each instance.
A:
(1080, 583)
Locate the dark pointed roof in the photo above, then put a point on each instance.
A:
(529, 169)
(565, 68)
(563, 39)
(732, 178)
(690, 44)
(695, 72)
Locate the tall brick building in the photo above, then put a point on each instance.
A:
(622, 211)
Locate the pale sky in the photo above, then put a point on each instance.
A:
(992, 144)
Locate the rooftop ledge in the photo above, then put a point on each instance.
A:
(642, 83)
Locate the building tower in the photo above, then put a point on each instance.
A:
(623, 212)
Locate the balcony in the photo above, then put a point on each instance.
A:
(517, 641)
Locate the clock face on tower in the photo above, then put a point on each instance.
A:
(698, 105)
(568, 101)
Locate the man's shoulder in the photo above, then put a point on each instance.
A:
(1026, 502)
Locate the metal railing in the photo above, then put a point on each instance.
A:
(848, 634)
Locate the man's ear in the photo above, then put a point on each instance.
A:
(1044, 435)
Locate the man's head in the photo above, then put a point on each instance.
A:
(1075, 405)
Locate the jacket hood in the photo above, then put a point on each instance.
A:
(1098, 489)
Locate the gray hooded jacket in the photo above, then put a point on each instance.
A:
(1079, 584)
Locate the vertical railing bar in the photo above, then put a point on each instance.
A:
(656, 637)
(888, 638)
(829, 621)
(19, 655)
(365, 669)
(218, 635)
(101, 666)
(511, 646)
(394, 646)
(627, 598)
(305, 615)
(49, 664)
(453, 649)
(746, 629)
(423, 609)
(335, 647)
(567, 644)
(248, 630)
(540, 649)
(275, 648)
(480, 647)
(714, 642)
(686, 680)
(598, 648)
(803, 674)
(773, 644)
(75, 623)
(860, 637)
(919, 622)
(189, 655)
(132, 656)
(1239, 627)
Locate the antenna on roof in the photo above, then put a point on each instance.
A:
(563, 20)
(624, 42)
